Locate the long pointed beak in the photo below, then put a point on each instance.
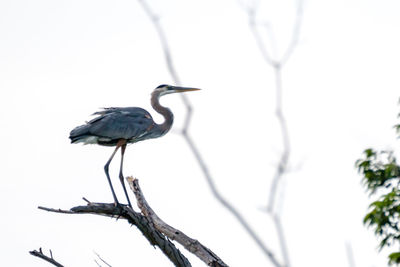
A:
(179, 89)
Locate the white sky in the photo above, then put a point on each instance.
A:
(62, 60)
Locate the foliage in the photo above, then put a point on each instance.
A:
(381, 177)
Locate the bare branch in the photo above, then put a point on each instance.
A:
(192, 245)
(349, 254)
(277, 65)
(56, 210)
(229, 206)
(100, 258)
(251, 12)
(295, 33)
(174, 75)
(282, 239)
(284, 157)
(41, 255)
(152, 227)
(141, 222)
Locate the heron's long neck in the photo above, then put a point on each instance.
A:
(166, 112)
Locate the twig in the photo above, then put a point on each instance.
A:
(295, 33)
(100, 258)
(284, 157)
(141, 222)
(192, 245)
(41, 255)
(56, 210)
(185, 134)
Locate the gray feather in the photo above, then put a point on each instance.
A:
(129, 123)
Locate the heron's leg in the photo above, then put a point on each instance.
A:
(108, 175)
(121, 176)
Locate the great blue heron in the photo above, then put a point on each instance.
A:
(121, 126)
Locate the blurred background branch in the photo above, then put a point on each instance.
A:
(277, 63)
(349, 254)
(101, 259)
(189, 140)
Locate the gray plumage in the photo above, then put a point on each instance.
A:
(131, 123)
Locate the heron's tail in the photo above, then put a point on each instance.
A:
(80, 134)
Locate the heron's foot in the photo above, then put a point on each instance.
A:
(120, 208)
(119, 205)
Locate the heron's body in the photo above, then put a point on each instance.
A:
(131, 123)
(121, 126)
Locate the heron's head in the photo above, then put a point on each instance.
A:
(165, 89)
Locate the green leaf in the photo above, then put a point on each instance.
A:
(394, 258)
(369, 152)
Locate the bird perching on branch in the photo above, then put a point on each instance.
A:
(121, 126)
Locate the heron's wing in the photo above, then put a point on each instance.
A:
(131, 110)
(117, 123)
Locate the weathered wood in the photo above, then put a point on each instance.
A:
(155, 237)
(192, 245)
(50, 259)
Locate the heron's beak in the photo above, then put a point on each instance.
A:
(178, 89)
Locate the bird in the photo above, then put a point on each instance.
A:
(120, 126)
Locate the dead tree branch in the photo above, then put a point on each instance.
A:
(157, 232)
(192, 245)
(187, 137)
(41, 255)
(140, 221)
